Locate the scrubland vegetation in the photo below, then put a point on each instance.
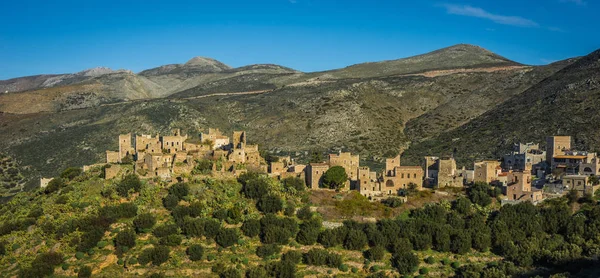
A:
(256, 226)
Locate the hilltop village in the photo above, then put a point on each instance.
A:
(521, 174)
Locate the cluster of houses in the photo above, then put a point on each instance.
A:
(172, 156)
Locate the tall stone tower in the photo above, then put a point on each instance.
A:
(125, 147)
(239, 139)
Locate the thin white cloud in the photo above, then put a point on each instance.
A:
(293, 1)
(556, 29)
(466, 10)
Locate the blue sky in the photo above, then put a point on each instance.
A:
(309, 35)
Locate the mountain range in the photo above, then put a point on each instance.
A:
(462, 100)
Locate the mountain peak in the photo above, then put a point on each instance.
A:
(204, 61)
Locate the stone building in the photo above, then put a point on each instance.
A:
(580, 183)
(348, 161)
(518, 186)
(368, 184)
(176, 154)
(487, 171)
(442, 172)
(523, 154)
(556, 146)
(401, 178)
(314, 174)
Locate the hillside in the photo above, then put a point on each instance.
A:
(288, 111)
(565, 103)
(453, 57)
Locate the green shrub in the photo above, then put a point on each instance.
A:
(256, 272)
(79, 255)
(130, 182)
(210, 257)
(304, 213)
(179, 190)
(64, 266)
(343, 268)
(133, 261)
(424, 270)
(171, 240)
(170, 201)
(160, 255)
(270, 204)
(295, 183)
(101, 244)
(405, 262)
(320, 257)
(54, 185)
(71, 173)
(455, 265)
(91, 252)
(84, 272)
(267, 250)
(120, 262)
(125, 238)
(251, 227)
(292, 256)
(143, 222)
(195, 252)
(165, 230)
(375, 253)
(227, 237)
(220, 214)
(354, 270)
(445, 261)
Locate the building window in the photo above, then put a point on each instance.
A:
(415, 176)
(402, 175)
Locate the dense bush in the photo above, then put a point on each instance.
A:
(220, 214)
(165, 230)
(54, 185)
(277, 230)
(281, 269)
(211, 228)
(479, 193)
(179, 190)
(304, 213)
(267, 250)
(84, 272)
(295, 183)
(43, 265)
(144, 222)
(405, 262)
(331, 238)
(170, 201)
(71, 173)
(227, 237)
(193, 227)
(130, 182)
(270, 204)
(157, 255)
(195, 252)
(355, 240)
(251, 227)
(125, 238)
(123, 210)
(292, 256)
(375, 253)
(256, 272)
(171, 240)
(320, 257)
(309, 231)
(392, 202)
(254, 187)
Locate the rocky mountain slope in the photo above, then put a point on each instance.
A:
(283, 110)
(565, 103)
